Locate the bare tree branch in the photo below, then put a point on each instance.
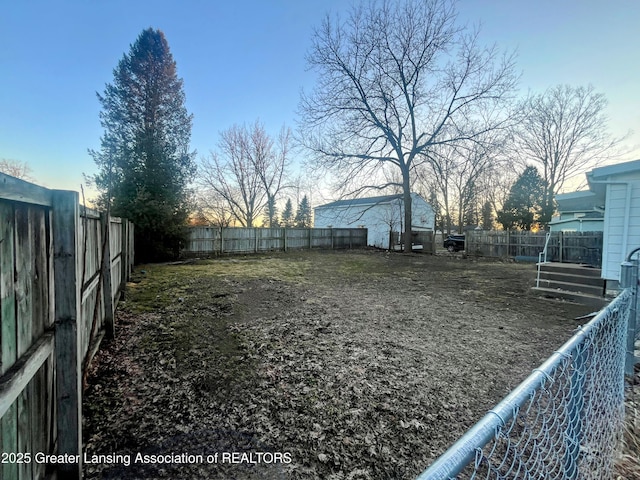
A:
(395, 80)
(247, 173)
(16, 168)
(564, 132)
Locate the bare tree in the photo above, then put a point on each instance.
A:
(231, 176)
(213, 208)
(246, 176)
(462, 177)
(564, 132)
(16, 168)
(397, 78)
(270, 160)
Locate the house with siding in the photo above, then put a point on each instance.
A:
(581, 211)
(380, 215)
(617, 187)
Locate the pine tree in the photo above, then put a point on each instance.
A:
(287, 214)
(271, 213)
(524, 205)
(144, 162)
(487, 216)
(303, 215)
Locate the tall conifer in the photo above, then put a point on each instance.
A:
(144, 162)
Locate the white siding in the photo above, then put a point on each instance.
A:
(622, 224)
(422, 213)
(378, 219)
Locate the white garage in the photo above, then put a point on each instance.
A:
(380, 215)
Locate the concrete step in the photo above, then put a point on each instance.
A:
(575, 297)
(597, 290)
(570, 269)
(572, 278)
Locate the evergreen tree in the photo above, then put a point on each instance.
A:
(487, 216)
(144, 162)
(303, 215)
(287, 214)
(271, 213)
(524, 205)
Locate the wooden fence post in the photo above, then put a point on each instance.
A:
(284, 239)
(255, 234)
(560, 239)
(221, 240)
(66, 213)
(124, 257)
(132, 246)
(310, 233)
(107, 294)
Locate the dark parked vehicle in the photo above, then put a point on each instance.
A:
(454, 243)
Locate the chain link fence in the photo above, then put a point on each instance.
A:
(563, 422)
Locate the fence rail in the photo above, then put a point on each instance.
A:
(60, 280)
(214, 240)
(568, 247)
(563, 422)
(421, 241)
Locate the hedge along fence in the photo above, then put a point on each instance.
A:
(218, 241)
(62, 269)
(568, 247)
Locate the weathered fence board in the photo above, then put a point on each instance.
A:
(420, 241)
(216, 241)
(568, 247)
(53, 272)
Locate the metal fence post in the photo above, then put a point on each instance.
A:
(631, 326)
(629, 279)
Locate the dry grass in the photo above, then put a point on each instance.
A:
(628, 464)
(361, 365)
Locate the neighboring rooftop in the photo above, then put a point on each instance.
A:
(581, 201)
(616, 169)
(363, 201)
(596, 176)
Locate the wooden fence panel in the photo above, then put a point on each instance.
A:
(25, 313)
(242, 241)
(298, 238)
(419, 238)
(116, 249)
(322, 238)
(51, 261)
(214, 241)
(270, 239)
(205, 239)
(568, 247)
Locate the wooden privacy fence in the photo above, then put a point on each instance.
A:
(568, 247)
(423, 242)
(62, 270)
(215, 240)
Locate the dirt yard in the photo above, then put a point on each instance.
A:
(315, 365)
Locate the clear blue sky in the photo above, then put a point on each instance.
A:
(244, 59)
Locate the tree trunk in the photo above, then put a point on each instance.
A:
(406, 188)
